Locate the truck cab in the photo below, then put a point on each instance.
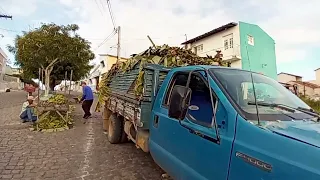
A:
(222, 123)
(211, 122)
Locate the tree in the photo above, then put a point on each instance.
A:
(54, 48)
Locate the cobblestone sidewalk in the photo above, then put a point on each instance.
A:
(79, 153)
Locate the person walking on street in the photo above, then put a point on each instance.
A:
(86, 100)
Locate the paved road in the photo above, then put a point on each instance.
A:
(79, 153)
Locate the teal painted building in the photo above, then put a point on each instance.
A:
(257, 50)
(244, 45)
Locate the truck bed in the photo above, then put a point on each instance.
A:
(122, 99)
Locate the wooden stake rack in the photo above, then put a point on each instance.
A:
(45, 110)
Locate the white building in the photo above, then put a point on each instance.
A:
(94, 78)
(243, 45)
(286, 77)
(310, 88)
(212, 41)
(3, 62)
(107, 61)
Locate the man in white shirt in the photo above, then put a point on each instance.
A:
(27, 110)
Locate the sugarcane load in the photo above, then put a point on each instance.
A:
(133, 73)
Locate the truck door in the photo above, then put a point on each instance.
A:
(191, 149)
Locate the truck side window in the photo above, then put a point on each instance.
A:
(200, 110)
(178, 79)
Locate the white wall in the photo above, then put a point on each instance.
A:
(3, 62)
(216, 42)
(108, 62)
(236, 64)
(317, 75)
(285, 78)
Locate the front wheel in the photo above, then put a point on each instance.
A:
(115, 129)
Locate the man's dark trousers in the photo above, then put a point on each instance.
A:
(86, 106)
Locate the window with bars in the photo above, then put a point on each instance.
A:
(226, 44)
(198, 49)
(231, 42)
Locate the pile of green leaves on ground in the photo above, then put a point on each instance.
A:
(162, 55)
(52, 121)
(314, 104)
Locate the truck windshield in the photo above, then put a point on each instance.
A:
(238, 84)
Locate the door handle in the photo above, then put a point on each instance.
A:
(156, 121)
(200, 134)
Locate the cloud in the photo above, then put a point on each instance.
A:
(292, 24)
(285, 55)
(293, 27)
(6, 39)
(165, 22)
(19, 7)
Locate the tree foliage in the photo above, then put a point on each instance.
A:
(52, 44)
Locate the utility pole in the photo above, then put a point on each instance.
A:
(185, 46)
(5, 16)
(118, 50)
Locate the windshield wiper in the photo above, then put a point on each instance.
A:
(310, 112)
(289, 109)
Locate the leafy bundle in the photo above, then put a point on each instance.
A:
(161, 55)
(54, 120)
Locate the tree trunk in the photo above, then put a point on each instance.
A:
(47, 82)
(47, 72)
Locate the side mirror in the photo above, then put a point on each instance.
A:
(179, 102)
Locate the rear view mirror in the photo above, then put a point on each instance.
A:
(179, 102)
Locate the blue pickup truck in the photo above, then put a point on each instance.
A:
(211, 122)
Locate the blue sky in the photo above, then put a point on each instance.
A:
(292, 24)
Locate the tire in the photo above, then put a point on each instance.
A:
(115, 129)
(106, 116)
(124, 137)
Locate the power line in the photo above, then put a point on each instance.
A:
(102, 4)
(112, 19)
(4, 15)
(111, 14)
(106, 39)
(10, 30)
(142, 39)
(3, 11)
(99, 7)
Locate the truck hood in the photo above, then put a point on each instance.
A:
(306, 131)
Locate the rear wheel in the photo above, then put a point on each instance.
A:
(115, 129)
(106, 115)
(124, 136)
